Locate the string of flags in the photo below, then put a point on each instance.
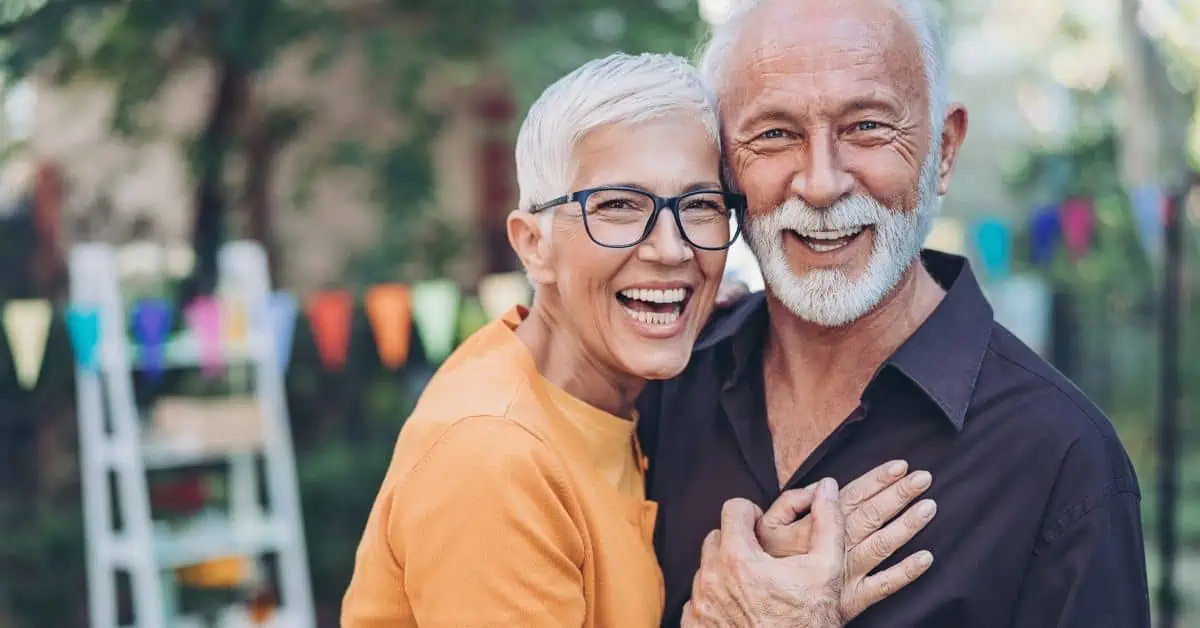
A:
(438, 309)
(1069, 225)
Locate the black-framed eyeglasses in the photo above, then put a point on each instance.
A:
(618, 217)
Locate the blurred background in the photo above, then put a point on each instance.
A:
(358, 155)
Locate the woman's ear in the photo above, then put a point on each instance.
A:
(531, 245)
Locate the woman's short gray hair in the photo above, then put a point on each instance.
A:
(617, 89)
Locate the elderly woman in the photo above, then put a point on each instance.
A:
(515, 494)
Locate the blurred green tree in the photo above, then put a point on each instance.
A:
(344, 423)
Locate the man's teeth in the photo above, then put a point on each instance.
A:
(673, 295)
(826, 241)
(654, 318)
(832, 235)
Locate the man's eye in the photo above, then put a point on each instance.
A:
(773, 134)
(868, 125)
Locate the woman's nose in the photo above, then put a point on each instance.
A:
(665, 244)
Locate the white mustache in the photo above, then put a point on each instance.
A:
(849, 213)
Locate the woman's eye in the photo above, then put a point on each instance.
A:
(868, 125)
(773, 134)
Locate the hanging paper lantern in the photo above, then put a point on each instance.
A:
(994, 244)
(83, 328)
(471, 318)
(204, 318)
(435, 308)
(1078, 222)
(1043, 234)
(330, 315)
(152, 319)
(498, 293)
(281, 319)
(389, 308)
(27, 326)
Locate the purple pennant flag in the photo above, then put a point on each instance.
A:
(83, 328)
(281, 310)
(152, 320)
(1044, 234)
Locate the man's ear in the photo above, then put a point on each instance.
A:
(531, 245)
(954, 131)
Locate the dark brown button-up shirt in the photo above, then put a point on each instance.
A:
(1038, 520)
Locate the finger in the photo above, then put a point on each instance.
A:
(712, 543)
(738, 518)
(868, 555)
(871, 515)
(829, 525)
(871, 483)
(889, 581)
(788, 507)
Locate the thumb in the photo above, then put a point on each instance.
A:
(788, 507)
(829, 524)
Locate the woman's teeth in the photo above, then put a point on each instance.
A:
(654, 306)
(649, 295)
(654, 318)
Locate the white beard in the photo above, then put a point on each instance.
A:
(831, 297)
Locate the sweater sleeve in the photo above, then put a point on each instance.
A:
(483, 532)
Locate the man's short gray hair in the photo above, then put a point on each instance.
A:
(617, 89)
(920, 14)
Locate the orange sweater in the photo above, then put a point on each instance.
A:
(494, 513)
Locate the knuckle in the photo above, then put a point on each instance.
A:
(879, 546)
(871, 515)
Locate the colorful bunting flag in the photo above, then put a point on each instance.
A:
(435, 304)
(27, 326)
(204, 318)
(994, 242)
(152, 319)
(281, 318)
(1078, 223)
(389, 308)
(330, 314)
(498, 293)
(1149, 205)
(235, 323)
(471, 318)
(83, 328)
(1043, 234)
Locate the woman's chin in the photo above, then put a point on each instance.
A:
(658, 365)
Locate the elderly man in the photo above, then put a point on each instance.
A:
(865, 348)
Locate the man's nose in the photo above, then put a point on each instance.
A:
(821, 180)
(665, 244)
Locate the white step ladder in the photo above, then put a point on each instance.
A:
(113, 441)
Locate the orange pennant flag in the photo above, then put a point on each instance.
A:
(389, 308)
(329, 314)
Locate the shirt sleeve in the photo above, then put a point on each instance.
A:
(484, 532)
(1089, 567)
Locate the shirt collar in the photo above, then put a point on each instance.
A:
(942, 358)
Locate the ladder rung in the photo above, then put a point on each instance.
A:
(213, 541)
(161, 455)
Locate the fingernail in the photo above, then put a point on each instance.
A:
(926, 508)
(925, 559)
(897, 469)
(922, 479)
(828, 489)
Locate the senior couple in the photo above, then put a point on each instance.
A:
(622, 455)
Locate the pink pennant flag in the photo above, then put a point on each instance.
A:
(1078, 223)
(204, 317)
